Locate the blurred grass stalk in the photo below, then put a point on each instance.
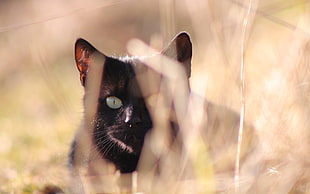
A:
(277, 123)
(271, 52)
(245, 27)
(189, 115)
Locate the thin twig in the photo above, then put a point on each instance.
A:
(242, 111)
(272, 18)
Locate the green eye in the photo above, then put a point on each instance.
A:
(114, 102)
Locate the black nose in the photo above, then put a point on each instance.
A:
(135, 120)
(132, 117)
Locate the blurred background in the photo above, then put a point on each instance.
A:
(41, 95)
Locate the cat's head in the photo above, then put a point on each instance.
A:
(115, 105)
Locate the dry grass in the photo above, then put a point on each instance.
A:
(41, 95)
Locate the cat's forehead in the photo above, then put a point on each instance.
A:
(147, 78)
(129, 66)
(135, 62)
(117, 75)
(129, 74)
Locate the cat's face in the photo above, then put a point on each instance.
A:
(121, 118)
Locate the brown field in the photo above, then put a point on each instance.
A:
(267, 41)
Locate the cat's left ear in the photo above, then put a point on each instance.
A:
(83, 52)
(180, 49)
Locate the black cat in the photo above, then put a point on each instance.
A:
(116, 117)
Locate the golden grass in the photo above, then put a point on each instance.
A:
(41, 95)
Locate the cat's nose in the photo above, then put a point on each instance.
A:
(135, 120)
(132, 117)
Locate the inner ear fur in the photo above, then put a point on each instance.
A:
(83, 52)
(180, 49)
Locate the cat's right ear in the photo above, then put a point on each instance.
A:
(83, 52)
(180, 49)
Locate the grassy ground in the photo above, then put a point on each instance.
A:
(41, 97)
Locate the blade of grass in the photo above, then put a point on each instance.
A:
(242, 111)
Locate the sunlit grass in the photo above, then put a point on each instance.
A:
(36, 129)
(41, 97)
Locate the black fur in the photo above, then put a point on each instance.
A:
(118, 140)
(118, 134)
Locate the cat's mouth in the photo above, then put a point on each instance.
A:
(127, 142)
(122, 145)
